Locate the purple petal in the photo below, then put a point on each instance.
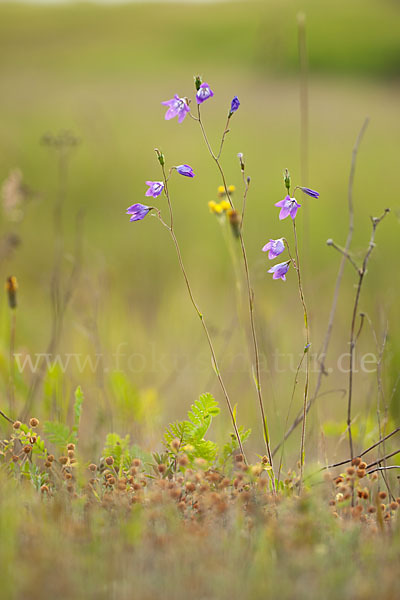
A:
(266, 247)
(309, 192)
(284, 212)
(293, 210)
(281, 203)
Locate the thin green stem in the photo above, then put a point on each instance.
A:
(306, 350)
(170, 228)
(250, 294)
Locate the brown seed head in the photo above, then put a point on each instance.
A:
(27, 449)
(71, 446)
(109, 461)
(44, 489)
(190, 486)
(382, 495)
(183, 460)
(92, 467)
(356, 461)
(17, 424)
(162, 468)
(33, 422)
(71, 454)
(175, 444)
(63, 460)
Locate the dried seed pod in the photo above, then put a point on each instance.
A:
(11, 288)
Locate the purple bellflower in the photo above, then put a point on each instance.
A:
(178, 107)
(279, 271)
(275, 248)
(288, 206)
(309, 192)
(138, 211)
(155, 188)
(234, 105)
(204, 93)
(185, 170)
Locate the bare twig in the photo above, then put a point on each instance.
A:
(384, 468)
(348, 460)
(383, 459)
(343, 252)
(5, 417)
(375, 222)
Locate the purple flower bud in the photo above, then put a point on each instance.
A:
(185, 170)
(275, 248)
(234, 106)
(288, 206)
(138, 211)
(279, 271)
(309, 192)
(204, 93)
(155, 188)
(178, 107)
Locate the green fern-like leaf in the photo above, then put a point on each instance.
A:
(182, 430)
(77, 411)
(58, 434)
(191, 433)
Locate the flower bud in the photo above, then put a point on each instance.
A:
(11, 287)
(286, 179)
(197, 82)
(160, 157)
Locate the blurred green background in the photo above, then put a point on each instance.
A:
(102, 72)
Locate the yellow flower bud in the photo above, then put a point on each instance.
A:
(225, 205)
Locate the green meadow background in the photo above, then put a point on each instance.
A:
(102, 72)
